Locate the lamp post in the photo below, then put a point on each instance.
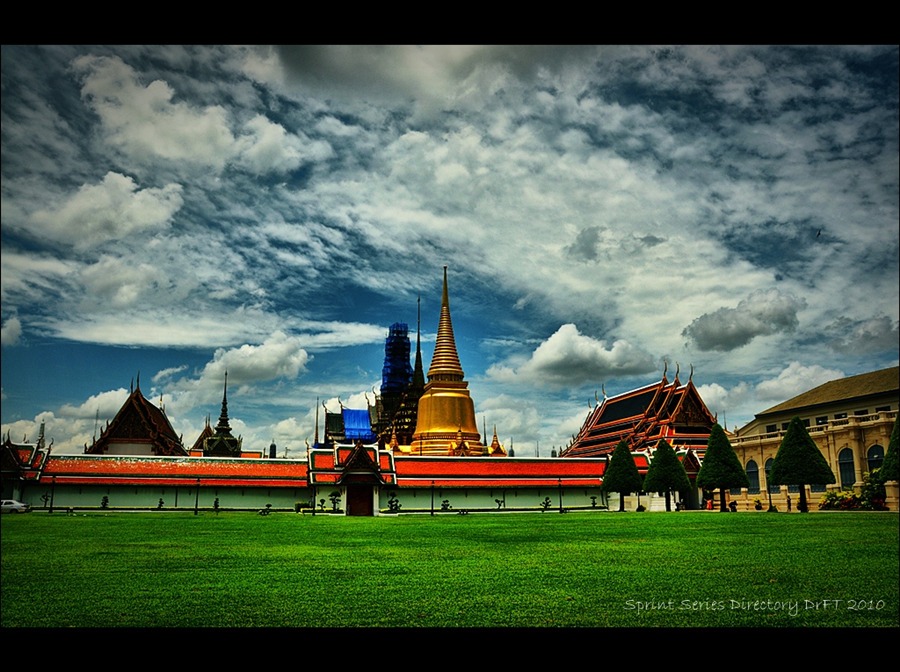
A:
(52, 491)
(559, 482)
(197, 498)
(432, 498)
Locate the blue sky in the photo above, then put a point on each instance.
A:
(176, 212)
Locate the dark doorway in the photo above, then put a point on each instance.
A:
(359, 500)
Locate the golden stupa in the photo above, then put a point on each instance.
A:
(446, 419)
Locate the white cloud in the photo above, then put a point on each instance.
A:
(279, 356)
(266, 147)
(143, 121)
(11, 331)
(104, 404)
(571, 358)
(794, 380)
(109, 211)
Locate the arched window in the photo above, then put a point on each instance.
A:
(770, 487)
(845, 466)
(875, 457)
(753, 478)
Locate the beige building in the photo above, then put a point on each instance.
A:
(850, 420)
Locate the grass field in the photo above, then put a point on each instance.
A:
(635, 570)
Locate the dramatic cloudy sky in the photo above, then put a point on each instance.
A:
(170, 213)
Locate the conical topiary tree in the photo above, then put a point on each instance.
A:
(666, 473)
(799, 462)
(890, 469)
(621, 474)
(721, 467)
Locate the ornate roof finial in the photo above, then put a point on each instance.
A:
(316, 439)
(445, 362)
(223, 427)
(418, 378)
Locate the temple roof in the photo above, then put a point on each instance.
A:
(23, 461)
(661, 410)
(175, 471)
(139, 421)
(499, 472)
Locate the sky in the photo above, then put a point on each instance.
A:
(606, 214)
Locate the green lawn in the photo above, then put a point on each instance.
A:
(687, 569)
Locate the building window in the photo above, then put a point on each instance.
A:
(823, 420)
(753, 478)
(865, 411)
(784, 426)
(845, 466)
(875, 457)
(771, 429)
(840, 416)
(882, 409)
(773, 489)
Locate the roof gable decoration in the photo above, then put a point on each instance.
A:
(357, 463)
(139, 421)
(661, 410)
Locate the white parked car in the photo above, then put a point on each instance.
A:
(12, 506)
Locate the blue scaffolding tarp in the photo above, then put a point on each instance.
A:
(357, 426)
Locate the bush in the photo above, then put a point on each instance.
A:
(870, 498)
(872, 492)
(840, 500)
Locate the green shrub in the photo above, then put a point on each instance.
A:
(840, 500)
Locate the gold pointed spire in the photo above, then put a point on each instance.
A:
(445, 362)
(446, 414)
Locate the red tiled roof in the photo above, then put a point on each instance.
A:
(175, 471)
(497, 472)
(662, 410)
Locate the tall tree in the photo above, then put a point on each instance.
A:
(721, 468)
(799, 462)
(890, 468)
(621, 474)
(666, 473)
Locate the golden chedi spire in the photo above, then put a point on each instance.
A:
(445, 363)
(446, 416)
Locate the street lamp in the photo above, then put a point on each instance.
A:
(559, 481)
(432, 498)
(197, 498)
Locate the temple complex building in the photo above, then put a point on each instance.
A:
(139, 428)
(220, 442)
(665, 409)
(418, 450)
